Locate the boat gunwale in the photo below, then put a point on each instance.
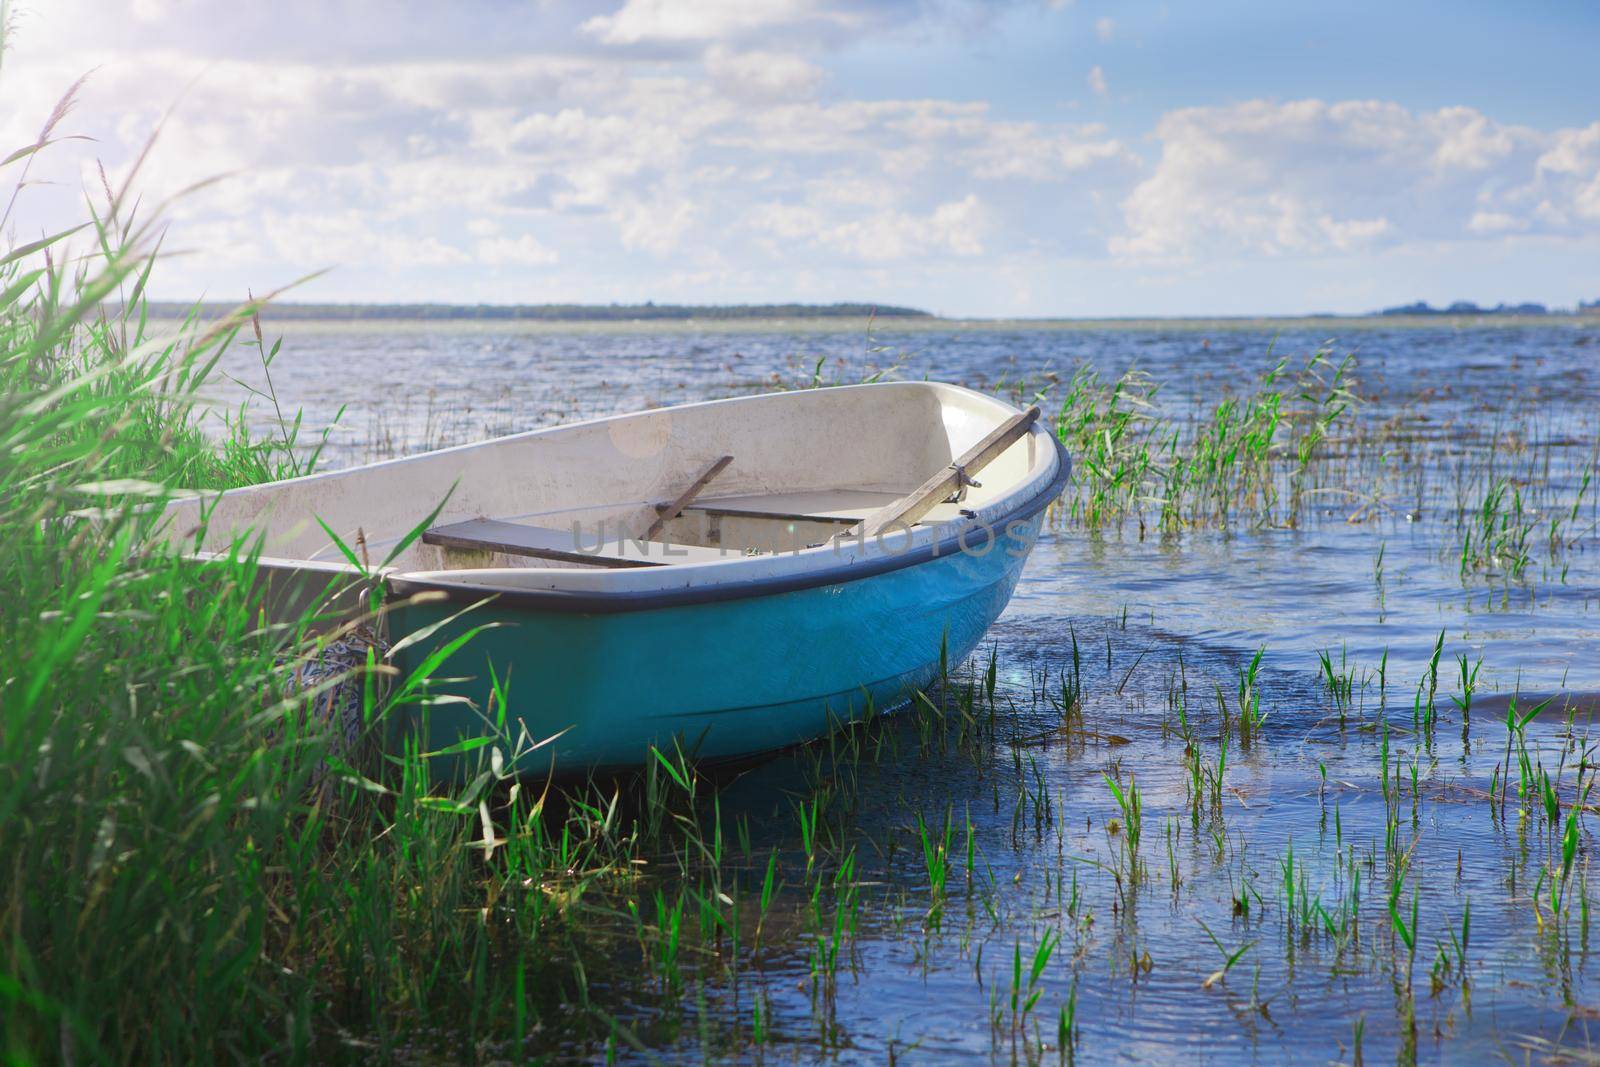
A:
(963, 538)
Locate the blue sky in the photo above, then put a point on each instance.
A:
(1026, 158)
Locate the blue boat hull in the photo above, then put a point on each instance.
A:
(726, 679)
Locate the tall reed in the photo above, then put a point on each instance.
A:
(1251, 457)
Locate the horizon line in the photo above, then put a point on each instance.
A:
(650, 310)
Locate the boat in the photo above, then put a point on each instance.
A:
(731, 577)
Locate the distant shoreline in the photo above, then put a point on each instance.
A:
(551, 312)
(686, 313)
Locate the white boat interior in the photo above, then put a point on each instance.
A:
(661, 496)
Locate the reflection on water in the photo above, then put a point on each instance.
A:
(1315, 820)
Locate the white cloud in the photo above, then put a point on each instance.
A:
(656, 224)
(333, 237)
(1569, 171)
(521, 251)
(1467, 140)
(640, 21)
(1097, 81)
(1039, 153)
(597, 160)
(955, 227)
(1573, 152)
(1307, 178)
(1490, 222)
(762, 75)
(156, 10)
(1105, 27)
(959, 225)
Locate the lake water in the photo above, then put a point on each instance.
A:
(1445, 407)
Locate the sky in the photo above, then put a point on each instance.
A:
(996, 159)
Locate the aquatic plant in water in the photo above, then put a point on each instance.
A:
(1248, 457)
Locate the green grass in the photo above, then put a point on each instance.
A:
(184, 879)
(1252, 457)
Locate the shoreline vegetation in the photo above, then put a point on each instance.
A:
(844, 313)
(290, 310)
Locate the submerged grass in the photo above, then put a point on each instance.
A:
(1253, 457)
(1519, 496)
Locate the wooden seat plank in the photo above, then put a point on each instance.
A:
(520, 539)
(931, 493)
(829, 505)
(540, 542)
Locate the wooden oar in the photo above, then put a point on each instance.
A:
(665, 513)
(925, 497)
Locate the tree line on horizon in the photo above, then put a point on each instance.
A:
(555, 312)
